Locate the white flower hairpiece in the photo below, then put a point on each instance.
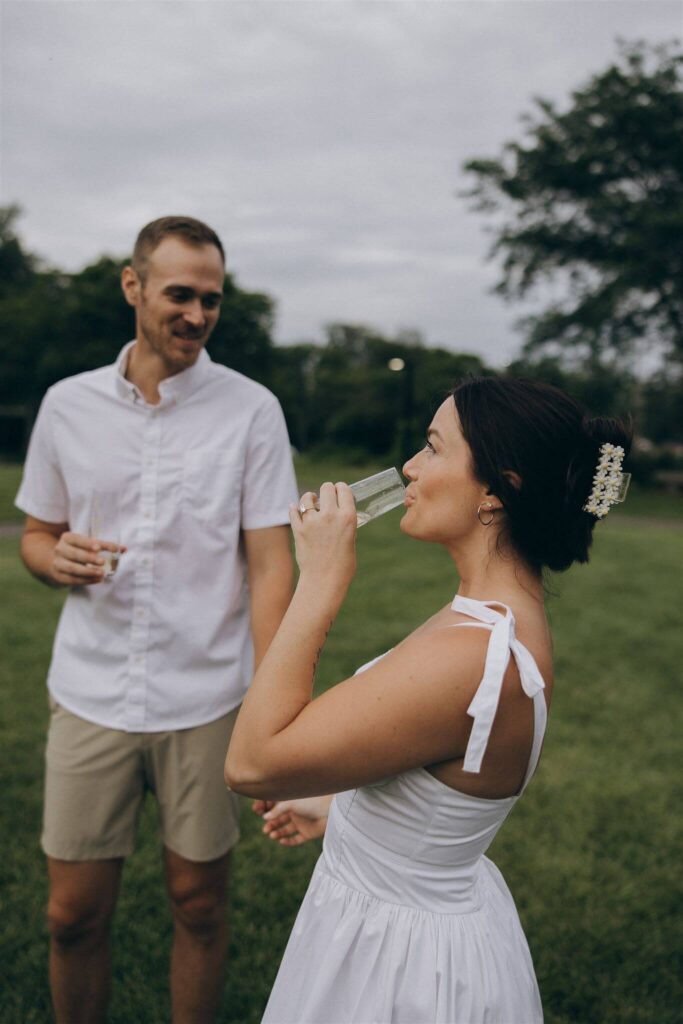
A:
(609, 483)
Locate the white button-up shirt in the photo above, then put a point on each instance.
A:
(166, 643)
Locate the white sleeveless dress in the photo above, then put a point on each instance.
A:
(405, 920)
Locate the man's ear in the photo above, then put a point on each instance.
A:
(130, 286)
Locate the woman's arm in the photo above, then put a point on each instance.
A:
(409, 709)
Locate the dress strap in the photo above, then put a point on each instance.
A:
(484, 704)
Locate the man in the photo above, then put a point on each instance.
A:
(149, 665)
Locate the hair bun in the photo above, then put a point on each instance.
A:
(599, 430)
(544, 436)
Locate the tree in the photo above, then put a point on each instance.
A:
(346, 395)
(595, 195)
(17, 267)
(662, 409)
(242, 338)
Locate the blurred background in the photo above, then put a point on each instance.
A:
(407, 192)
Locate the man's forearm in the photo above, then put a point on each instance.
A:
(270, 571)
(271, 594)
(37, 554)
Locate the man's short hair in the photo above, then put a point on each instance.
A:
(192, 231)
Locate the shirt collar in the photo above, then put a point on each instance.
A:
(174, 388)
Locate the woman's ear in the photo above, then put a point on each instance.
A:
(513, 478)
(492, 500)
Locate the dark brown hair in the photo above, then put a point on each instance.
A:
(192, 231)
(544, 436)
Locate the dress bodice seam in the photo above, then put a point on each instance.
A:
(461, 792)
(419, 911)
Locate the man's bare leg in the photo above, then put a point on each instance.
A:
(82, 899)
(198, 893)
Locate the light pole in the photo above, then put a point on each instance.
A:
(404, 418)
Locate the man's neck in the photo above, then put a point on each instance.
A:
(146, 370)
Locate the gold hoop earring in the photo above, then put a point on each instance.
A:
(488, 508)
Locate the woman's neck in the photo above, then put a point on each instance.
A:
(493, 575)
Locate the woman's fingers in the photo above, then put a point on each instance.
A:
(261, 807)
(288, 835)
(276, 809)
(308, 500)
(296, 840)
(345, 498)
(281, 821)
(328, 497)
(332, 497)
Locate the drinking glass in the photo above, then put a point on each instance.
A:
(105, 526)
(377, 494)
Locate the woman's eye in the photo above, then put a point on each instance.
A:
(429, 447)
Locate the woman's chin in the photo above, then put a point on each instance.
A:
(404, 524)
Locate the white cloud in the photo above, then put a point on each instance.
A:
(324, 141)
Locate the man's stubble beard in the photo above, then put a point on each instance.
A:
(154, 338)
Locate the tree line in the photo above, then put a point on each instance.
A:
(358, 391)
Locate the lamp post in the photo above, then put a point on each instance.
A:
(404, 418)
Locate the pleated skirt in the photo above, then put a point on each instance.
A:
(355, 959)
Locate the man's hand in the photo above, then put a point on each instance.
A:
(293, 822)
(61, 558)
(77, 560)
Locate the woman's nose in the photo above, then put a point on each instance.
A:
(408, 469)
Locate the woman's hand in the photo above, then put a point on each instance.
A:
(325, 538)
(294, 822)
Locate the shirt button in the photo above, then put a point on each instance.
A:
(145, 561)
(147, 515)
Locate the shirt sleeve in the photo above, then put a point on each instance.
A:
(42, 492)
(269, 480)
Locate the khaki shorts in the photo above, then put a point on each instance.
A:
(96, 780)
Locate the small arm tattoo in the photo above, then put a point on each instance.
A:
(320, 649)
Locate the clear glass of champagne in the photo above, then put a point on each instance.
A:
(374, 495)
(377, 494)
(105, 526)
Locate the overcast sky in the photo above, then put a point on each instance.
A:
(323, 140)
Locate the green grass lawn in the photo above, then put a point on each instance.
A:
(591, 853)
(10, 478)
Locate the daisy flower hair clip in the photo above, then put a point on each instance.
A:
(609, 483)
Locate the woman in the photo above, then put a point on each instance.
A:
(429, 746)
